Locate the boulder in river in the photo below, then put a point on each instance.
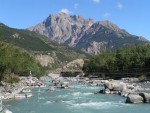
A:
(134, 98)
(146, 97)
(115, 86)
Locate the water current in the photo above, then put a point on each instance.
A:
(80, 99)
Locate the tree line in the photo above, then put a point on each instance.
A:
(134, 59)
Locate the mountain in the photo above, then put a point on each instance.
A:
(85, 34)
(42, 48)
(63, 28)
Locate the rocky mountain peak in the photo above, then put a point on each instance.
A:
(110, 25)
(62, 28)
(90, 21)
(85, 34)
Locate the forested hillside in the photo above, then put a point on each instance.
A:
(14, 62)
(37, 44)
(135, 59)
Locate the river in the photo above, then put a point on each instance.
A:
(80, 99)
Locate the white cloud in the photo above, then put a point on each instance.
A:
(76, 6)
(65, 11)
(107, 15)
(96, 1)
(119, 5)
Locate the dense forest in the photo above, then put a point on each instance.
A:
(133, 60)
(16, 62)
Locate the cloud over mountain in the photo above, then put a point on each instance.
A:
(66, 11)
(120, 5)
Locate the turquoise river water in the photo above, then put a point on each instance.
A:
(80, 99)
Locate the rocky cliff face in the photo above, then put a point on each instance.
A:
(75, 64)
(84, 34)
(62, 28)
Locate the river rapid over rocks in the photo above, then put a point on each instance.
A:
(73, 96)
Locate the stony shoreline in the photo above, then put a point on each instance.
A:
(132, 91)
(127, 87)
(18, 90)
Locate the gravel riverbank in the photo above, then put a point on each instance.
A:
(13, 91)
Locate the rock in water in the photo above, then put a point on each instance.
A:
(146, 97)
(134, 98)
(115, 86)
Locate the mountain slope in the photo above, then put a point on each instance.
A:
(84, 34)
(23, 39)
(13, 61)
(37, 44)
(105, 35)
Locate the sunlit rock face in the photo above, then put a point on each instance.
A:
(85, 34)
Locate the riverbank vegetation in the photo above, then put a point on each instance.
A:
(16, 62)
(133, 60)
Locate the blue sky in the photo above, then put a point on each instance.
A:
(132, 15)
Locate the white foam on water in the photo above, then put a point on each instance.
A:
(68, 102)
(91, 104)
(80, 86)
(95, 105)
(86, 94)
(62, 96)
(42, 98)
(76, 94)
(48, 102)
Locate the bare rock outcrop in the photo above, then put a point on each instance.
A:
(44, 60)
(75, 64)
(85, 34)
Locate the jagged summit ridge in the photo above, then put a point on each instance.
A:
(61, 27)
(85, 34)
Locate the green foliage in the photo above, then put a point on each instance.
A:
(20, 61)
(135, 59)
(38, 44)
(100, 63)
(24, 39)
(13, 60)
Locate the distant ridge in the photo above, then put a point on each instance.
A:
(85, 34)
